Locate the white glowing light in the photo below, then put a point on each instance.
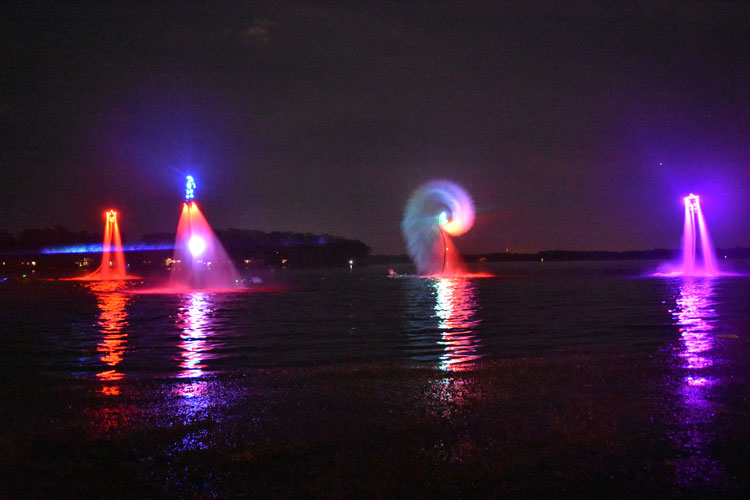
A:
(196, 245)
(443, 218)
(693, 202)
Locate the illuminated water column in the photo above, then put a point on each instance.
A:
(200, 261)
(695, 228)
(688, 240)
(113, 257)
(116, 245)
(436, 211)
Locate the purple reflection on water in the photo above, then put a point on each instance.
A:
(694, 314)
(198, 397)
(696, 317)
(456, 308)
(193, 319)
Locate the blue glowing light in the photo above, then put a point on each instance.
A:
(189, 188)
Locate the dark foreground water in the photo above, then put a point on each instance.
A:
(548, 380)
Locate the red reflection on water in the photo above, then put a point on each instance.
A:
(194, 321)
(113, 318)
(455, 308)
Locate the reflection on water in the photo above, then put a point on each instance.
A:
(194, 319)
(695, 315)
(113, 318)
(455, 308)
(696, 318)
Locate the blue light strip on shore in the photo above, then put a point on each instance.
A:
(99, 247)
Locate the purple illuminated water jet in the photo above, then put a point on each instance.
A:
(698, 257)
(199, 261)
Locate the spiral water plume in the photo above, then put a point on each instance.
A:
(436, 211)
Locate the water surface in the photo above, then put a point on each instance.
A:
(597, 360)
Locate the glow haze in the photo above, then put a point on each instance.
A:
(545, 112)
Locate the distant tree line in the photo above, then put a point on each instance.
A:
(34, 240)
(283, 248)
(569, 255)
(290, 249)
(298, 249)
(258, 247)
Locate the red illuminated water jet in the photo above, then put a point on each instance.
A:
(113, 257)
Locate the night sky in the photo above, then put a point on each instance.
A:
(573, 127)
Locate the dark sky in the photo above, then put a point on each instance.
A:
(573, 127)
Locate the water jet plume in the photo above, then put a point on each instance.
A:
(436, 211)
(697, 257)
(199, 261)
(113, 257)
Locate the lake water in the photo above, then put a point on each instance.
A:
(664, 365)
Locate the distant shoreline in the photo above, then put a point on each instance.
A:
(570, 255)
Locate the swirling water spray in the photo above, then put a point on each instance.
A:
(436, 210)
